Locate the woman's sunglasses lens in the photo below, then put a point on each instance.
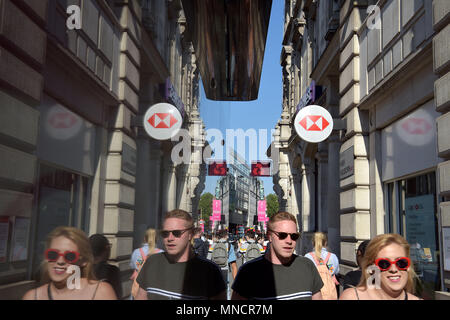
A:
(402, 264)
(52, 255)
(384, 264)
(70, 257)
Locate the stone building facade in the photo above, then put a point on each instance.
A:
(381, 69)
(73, 150)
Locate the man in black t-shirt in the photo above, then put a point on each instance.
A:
(279, 274)
(178, 273)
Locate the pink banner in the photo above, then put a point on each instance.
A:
(261, 210)
(217, 210)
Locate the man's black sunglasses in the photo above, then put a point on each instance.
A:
(283, 235)
(176, 233)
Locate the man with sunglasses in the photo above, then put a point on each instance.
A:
(178, 273)
(279, 274)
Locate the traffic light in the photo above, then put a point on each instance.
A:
(260, 169)
(217, 168)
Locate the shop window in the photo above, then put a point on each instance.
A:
(62, 201)
(412, 212)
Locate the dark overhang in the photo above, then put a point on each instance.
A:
(229, 38)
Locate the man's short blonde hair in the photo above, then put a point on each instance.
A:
(180, 214)
(281, 216)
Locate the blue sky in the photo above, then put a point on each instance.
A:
(262, 113)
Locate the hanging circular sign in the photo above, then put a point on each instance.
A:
(313, 123)
(62, 124)
(162, 121)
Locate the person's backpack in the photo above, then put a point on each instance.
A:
(252, 252)
(329, 283)
(135, 286)
(220, 254)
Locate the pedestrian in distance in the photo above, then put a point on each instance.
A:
(101, 249)
(140, 255)
(201, 247)
(68, 254)
(279, 274)
(224, 256)
(250, 249)
(352, 278)
(387, 273)
(327, 264)
(178, 273)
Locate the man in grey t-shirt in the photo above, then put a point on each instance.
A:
(178, 273)
(279, 274)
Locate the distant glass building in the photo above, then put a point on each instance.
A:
(239, 193)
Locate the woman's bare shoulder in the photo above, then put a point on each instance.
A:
(413, 297)
(348, 294)
(36, 293)
(105, 291)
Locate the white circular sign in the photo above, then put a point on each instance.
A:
(162, 121)
(313, 123)
(62, 124)
(416, 129)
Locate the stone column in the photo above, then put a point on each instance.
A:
(308, 190)
(142, 183)
(154, 189)
(354, 195)
(296, 192)
(120, 185)
(169, 181)
(333, 189)
(322, 187)
(441, 58)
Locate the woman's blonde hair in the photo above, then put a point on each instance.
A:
(376, 245)
(320, 240)
(150, 239)
(79, 238)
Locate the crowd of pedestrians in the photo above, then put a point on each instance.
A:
(191, 266)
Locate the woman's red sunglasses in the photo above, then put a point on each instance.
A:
(69, 256)
(385, 264)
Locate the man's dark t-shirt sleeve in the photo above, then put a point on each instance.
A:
(217, 284)
(242, 282)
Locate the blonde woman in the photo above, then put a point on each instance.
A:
(320, 243)
(68, 249)
(139, 255)
(327, 264)
(387, 273)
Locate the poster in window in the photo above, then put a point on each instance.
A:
(446, 247)
(420, 227)
(4, 234)
(19, 250)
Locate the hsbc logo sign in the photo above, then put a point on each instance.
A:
(417, 129)
(416, 126)
(162, 121)
(313, 123)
